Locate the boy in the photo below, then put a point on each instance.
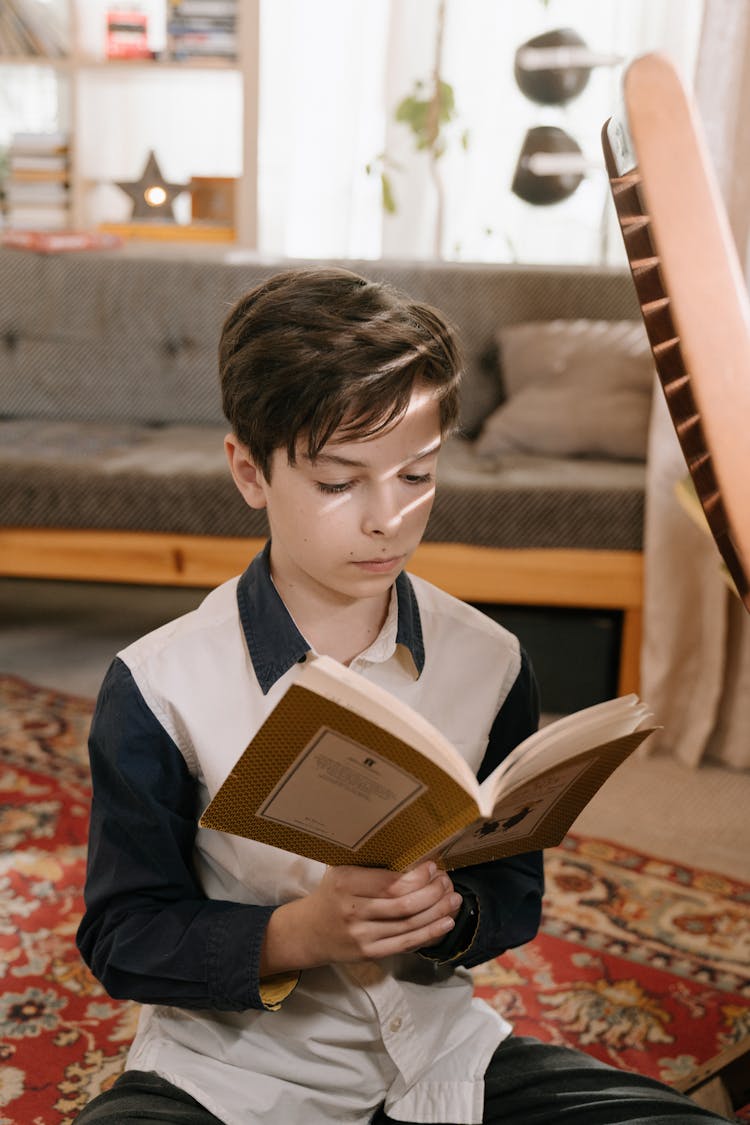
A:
(276, 990)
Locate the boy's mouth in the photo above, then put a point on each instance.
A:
(378, 566)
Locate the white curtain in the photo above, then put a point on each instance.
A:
(696, 654)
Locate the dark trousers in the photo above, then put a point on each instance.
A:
(527, 1083)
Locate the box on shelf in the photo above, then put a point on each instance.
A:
(127, 35)
(213, 199)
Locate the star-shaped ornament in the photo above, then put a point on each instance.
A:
(152, 195)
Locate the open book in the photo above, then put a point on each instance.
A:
(343, 772)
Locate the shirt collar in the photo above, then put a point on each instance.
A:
(409, 632)
(275, 643)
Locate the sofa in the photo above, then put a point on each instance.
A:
(111, 459)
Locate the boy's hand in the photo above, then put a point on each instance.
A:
(360, 913)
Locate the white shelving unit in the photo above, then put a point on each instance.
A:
(200, 117)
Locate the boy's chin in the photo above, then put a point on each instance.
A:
(368, 584)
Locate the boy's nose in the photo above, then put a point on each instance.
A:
(384, 513)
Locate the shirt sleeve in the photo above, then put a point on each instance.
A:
(149, 933)
(508, 891)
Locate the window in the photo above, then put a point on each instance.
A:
(333, 72)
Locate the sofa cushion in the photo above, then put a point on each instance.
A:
(574, 388)
(131, 335)
(120, 476)
(535, 502)
(117, 476)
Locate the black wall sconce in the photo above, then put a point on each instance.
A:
(552, 69)
(550, 166)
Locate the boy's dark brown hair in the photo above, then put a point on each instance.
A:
(313, 351)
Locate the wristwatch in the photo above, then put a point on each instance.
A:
(457, 940)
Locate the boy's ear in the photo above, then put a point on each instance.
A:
(247, 476)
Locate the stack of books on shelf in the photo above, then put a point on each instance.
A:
(202, 30)
(38, 185)
(32, 28)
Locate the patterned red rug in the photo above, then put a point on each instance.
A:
(640, 962)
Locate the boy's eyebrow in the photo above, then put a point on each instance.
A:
(351, 462)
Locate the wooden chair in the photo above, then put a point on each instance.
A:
(694, 303)
(691, 291)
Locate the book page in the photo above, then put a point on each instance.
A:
(518, 815)
(563, 739)
(340, 790)
(350, 689)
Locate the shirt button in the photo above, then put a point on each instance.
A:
(395, 1025)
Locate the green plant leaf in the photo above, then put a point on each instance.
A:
(386, 189)
(413, 111)
(446, 102)
(416, 110)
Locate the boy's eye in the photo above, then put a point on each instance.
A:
(333, 489)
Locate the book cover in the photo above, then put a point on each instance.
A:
(344, 773)
(51, 142)
(30, 192)
(42, 217)
(53, 242)
(127, 34)
(23, 175)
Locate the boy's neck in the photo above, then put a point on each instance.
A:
(340, 629)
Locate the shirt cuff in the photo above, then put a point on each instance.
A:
(458, 940)
(274, 990)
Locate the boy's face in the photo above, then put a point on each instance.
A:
(345, 524)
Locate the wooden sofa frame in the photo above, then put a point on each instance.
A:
(587, 579)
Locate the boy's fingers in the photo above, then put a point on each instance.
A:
(440, 913)
(435, 900)
(410, 906)
(375, 882)
(426, 875)
(407, 940)
(379, 937)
